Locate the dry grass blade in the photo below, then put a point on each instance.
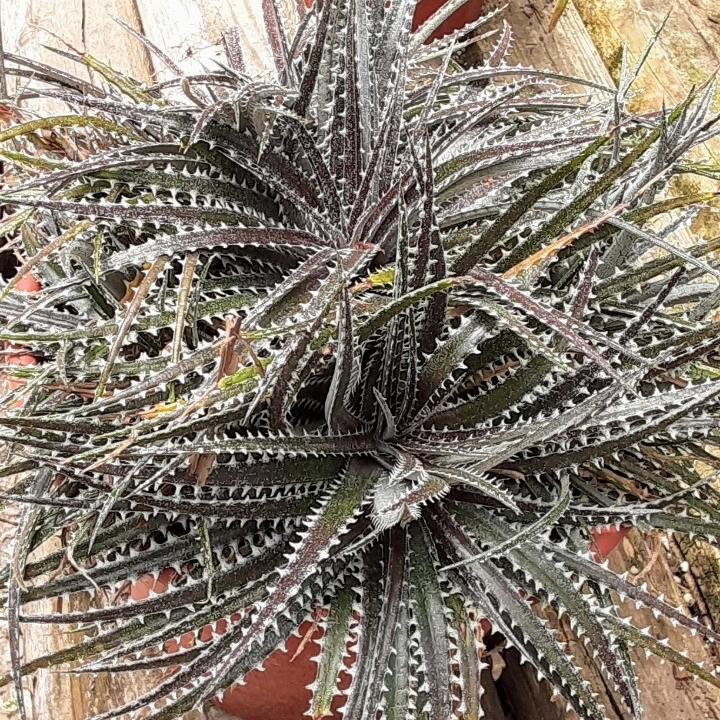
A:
(130, 314)
(558, 10)
(552, 249)
(183, 303)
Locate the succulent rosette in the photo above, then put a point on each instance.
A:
(386, 335)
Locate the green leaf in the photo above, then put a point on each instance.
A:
(331, 660)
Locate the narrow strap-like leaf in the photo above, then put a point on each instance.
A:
(661, 649)
(465, 476)
(514, 617)
(336, 414)
(469, 649)
(147, 282)
(331, 660)
(429, 611)
(526, 532)
(638, 594)
(568, 327)
(479, 246)
(367, 688)
(565, 216)
(435, 21)
(324, 529)
(309, 78)
(276, 35)
(189, 241)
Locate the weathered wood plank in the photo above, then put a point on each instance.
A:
(666, 691)
(569, 49)
(686, 53)
(105, 40)
(190, 32)
(86, 26)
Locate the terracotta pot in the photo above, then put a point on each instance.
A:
(605, 540)
(470, 12)
(278, 692)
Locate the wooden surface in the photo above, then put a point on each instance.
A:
(189, 31)
(585, 44)
(85, 25)
(569, 49)
(686, 53)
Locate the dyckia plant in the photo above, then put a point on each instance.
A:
(386, 335)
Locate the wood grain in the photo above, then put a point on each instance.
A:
(84, 25)
(190, 32)
(569, 50)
